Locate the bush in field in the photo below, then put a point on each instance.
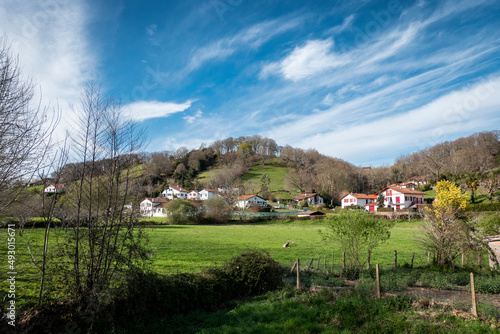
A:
(358, 233)
(217, 210)
(151, 295)
(181, 212)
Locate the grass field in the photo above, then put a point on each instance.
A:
(191, 248)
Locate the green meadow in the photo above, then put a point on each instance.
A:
(191, 248)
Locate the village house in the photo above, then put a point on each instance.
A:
(193, 195)
(55, 188)
(312, 199)
(174, 192)
(208, 193)
(247, 201)
(153, 207)
(357, 199)
(399, 198)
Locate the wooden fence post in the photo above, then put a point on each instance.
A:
(428, 258)
(378, 280)
(462, 259)
(310, 264)
(412, 257)
(343, 260)
(332, 262)
(317, 266)
(473, 292)
(298, 274)
(368, 260)
(395, 259)
(293, 267)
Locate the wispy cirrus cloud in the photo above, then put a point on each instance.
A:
(250, 38)
(54, 51)
(143, 110)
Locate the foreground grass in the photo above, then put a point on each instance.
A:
(291, 311)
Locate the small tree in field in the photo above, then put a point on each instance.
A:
(358, 233)
(447, 233)
(181, 212)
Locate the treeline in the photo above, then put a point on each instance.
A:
(477, 153)
(310, 170)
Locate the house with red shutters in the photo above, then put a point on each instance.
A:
(399, 198)
(357, 199)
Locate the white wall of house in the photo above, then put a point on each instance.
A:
(254, 201)
(149, 209)
(399, 200)
(193, 195)
(206, 194)
(351, 200)
(172, 193)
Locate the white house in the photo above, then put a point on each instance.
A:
(357, 199)
(399, 198)
(311, 198)
(208, 193)
(193, 195)
(247, 201)
(153, 207)
(174, 192)
(55, 188)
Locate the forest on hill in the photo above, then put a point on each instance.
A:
(226, 162)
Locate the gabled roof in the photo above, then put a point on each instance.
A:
(210, 190)
(359, 196)
(178, 189)
(154, 199)
(304, 196)
(247, 197)
(57, 186)
(405, 191)
(192, 191)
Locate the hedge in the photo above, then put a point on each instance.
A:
(480, 207)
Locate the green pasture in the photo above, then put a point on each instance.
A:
(190, 248)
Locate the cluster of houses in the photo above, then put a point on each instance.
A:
(396, 196)
(153, 207)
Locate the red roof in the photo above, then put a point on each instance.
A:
(359, 196)
(179, 189)
(60, 186)
(405, 191)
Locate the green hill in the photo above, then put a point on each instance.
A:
(252, 180)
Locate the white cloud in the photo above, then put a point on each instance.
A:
(50, 39)
(328, 100)
(142, 110)
(346, 24)
(191, 118)
(373, 140)
(250, 38)
(315, 57)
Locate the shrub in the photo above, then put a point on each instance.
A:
(148, 295)
(481, 207)
(181, 212)
(487, 285)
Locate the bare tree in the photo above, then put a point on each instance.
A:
(104, 243)
(25, 129)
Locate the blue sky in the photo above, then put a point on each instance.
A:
(364, 81)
